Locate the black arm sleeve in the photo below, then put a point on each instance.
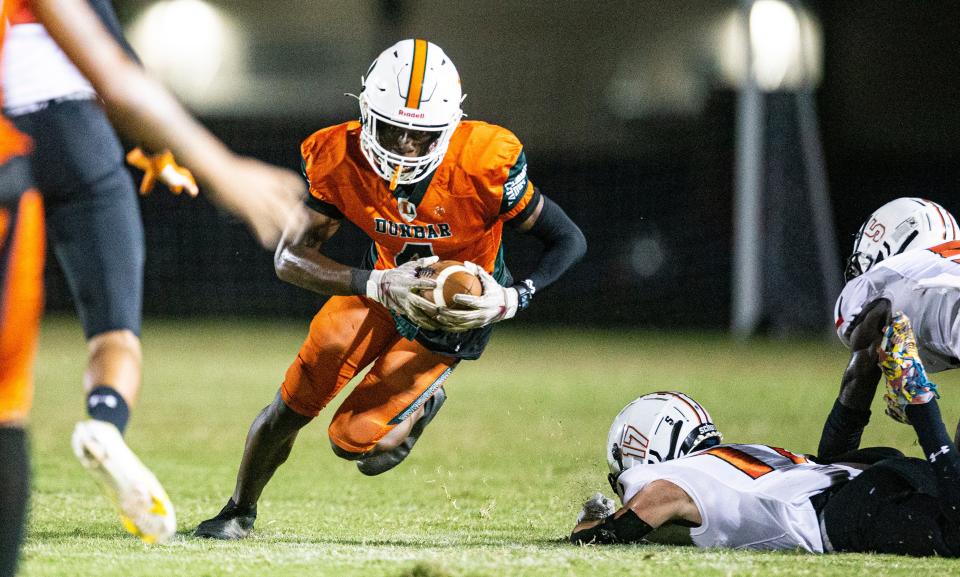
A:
(627, 528)
(841, 433)
(564, 244)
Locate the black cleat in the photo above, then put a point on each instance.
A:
(383, 462)
(231, 523)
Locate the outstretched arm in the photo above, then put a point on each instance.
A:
(851, 411)
(658, 503)
(266, 197)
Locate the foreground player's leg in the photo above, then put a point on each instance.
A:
(903, 506)
(21, 300)
(145, 509)
(112, 382)
(112, 378)
(14, 491)
(268, 445)
(96, 233)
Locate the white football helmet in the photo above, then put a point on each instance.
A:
(411, 86)
(901, 225)
(658, 427)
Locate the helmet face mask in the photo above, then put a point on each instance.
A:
(901, 225)
(409, 109)
(397, 138)
(655, 428)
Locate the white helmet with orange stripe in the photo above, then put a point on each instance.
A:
(899, 226)
(409, 108)
(658, 427)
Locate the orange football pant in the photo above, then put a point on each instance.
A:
(22, 243)
(347, 335)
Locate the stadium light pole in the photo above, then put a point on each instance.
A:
(748, 176)
(779, 70)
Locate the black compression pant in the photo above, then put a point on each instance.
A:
(93, 216)
(892, 507)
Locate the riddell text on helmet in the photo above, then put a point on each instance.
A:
(405, 112)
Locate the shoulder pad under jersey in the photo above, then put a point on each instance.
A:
(326, 148)
(485, 151)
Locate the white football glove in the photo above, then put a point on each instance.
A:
(395, 288)
(495, 304)
(597, 508)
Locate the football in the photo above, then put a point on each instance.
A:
(452, 279)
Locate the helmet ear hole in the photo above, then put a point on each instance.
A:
(617, 455)
(612, 479)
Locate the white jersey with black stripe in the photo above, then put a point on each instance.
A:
(925, 285)
(749, 496)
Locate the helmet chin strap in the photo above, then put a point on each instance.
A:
(395, 178)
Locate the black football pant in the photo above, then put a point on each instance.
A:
(892, 507)
(93, 215)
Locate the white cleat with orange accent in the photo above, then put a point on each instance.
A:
(144, 507)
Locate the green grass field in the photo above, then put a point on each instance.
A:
(492, 488)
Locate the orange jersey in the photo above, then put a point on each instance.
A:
(19, 12)
(12, 142)
(457, 213)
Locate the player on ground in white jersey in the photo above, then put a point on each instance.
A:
(669, 469)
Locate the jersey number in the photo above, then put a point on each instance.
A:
(751, 466)
(948, 250)
(413, 251)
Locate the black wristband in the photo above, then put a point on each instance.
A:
(525, 291)
(358, 281)
(627, 528)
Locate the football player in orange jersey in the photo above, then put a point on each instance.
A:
(269, 199)
(422, 185)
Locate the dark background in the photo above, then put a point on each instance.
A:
(658, 192)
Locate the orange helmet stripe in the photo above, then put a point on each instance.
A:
(415, 89)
